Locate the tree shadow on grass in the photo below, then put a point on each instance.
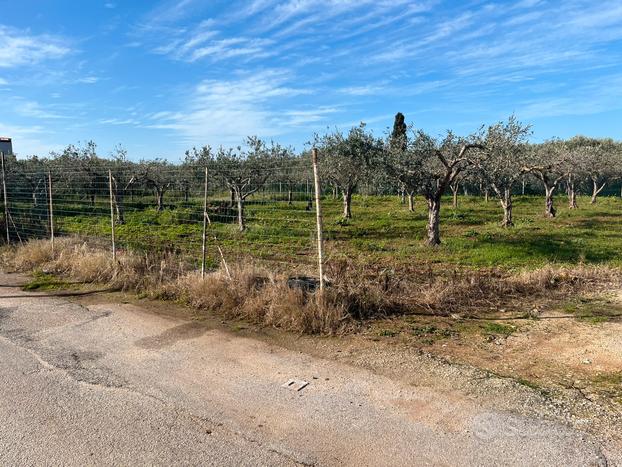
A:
(549, 247)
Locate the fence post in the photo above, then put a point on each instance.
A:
(51, 208)
(6, 200)
(318, 212)
(204, 243)
(114, 248)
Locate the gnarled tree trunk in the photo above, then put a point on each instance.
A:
(119, 207)
(411, 201)
(506, 204)
(596, 190)
(241, 224)
(347, 203)
(159, 192)
(231, 197)
(572, 194)
(434, 220)
(549, 208)
(454, 190)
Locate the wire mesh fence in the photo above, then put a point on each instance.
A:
(206, 213)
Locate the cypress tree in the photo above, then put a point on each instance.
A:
(398, 135)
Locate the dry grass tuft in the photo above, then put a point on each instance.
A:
(264, 297)
(370, 293)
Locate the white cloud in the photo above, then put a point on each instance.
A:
(366, 90)
(226, 111)
(88, 80)
(18, 48)
(202, 42)
(120, 121)
(32, 109)
(27, 140)
(596, 96)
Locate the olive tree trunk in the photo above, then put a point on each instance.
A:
(411, 201)
(549, 208)
(347, 203)
(119, 207)
(231, 197)
(240, 202)
(506, 204)
(159, 199)
(596, 190)
(572, 194)
(434, 220)
(454, 191)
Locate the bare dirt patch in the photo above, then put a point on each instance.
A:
(574, 346)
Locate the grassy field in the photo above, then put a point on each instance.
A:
(382, 232)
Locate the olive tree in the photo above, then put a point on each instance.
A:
(244, 172)
(429, 165)
(599, 161)
(88, 175)
(157, 175)
(347, 159)
(289, 169)
(33, 172)
(403, 166)
(501, 163)
(547, 162)
(124, 176)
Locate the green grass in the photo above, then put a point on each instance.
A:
(497, 328)
(594, 310)
(42, 282)
(382, 233)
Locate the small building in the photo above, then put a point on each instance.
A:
(6, 145)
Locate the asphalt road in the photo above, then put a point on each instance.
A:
(115, 384)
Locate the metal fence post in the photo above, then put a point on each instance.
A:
(318, 212)
(114, 248)
(6, 201)
(204, 242)
(51, 208)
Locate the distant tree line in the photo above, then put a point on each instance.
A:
(495, 160)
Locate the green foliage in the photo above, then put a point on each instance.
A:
(42, 281)
(498, 328)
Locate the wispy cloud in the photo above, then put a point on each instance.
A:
(225, 111)
(595, 96)
(32, 109)
(27, 140)
(21, 48)
(202, 42)
(88, 80)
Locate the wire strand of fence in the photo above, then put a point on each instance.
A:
(205, 213)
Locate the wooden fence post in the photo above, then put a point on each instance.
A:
(6, 201)
(114, 247)
(318, 212)
(204, 243)
(51, 209)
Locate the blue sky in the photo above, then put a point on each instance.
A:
(160, 77)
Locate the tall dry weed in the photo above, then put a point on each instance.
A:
(264, 297)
